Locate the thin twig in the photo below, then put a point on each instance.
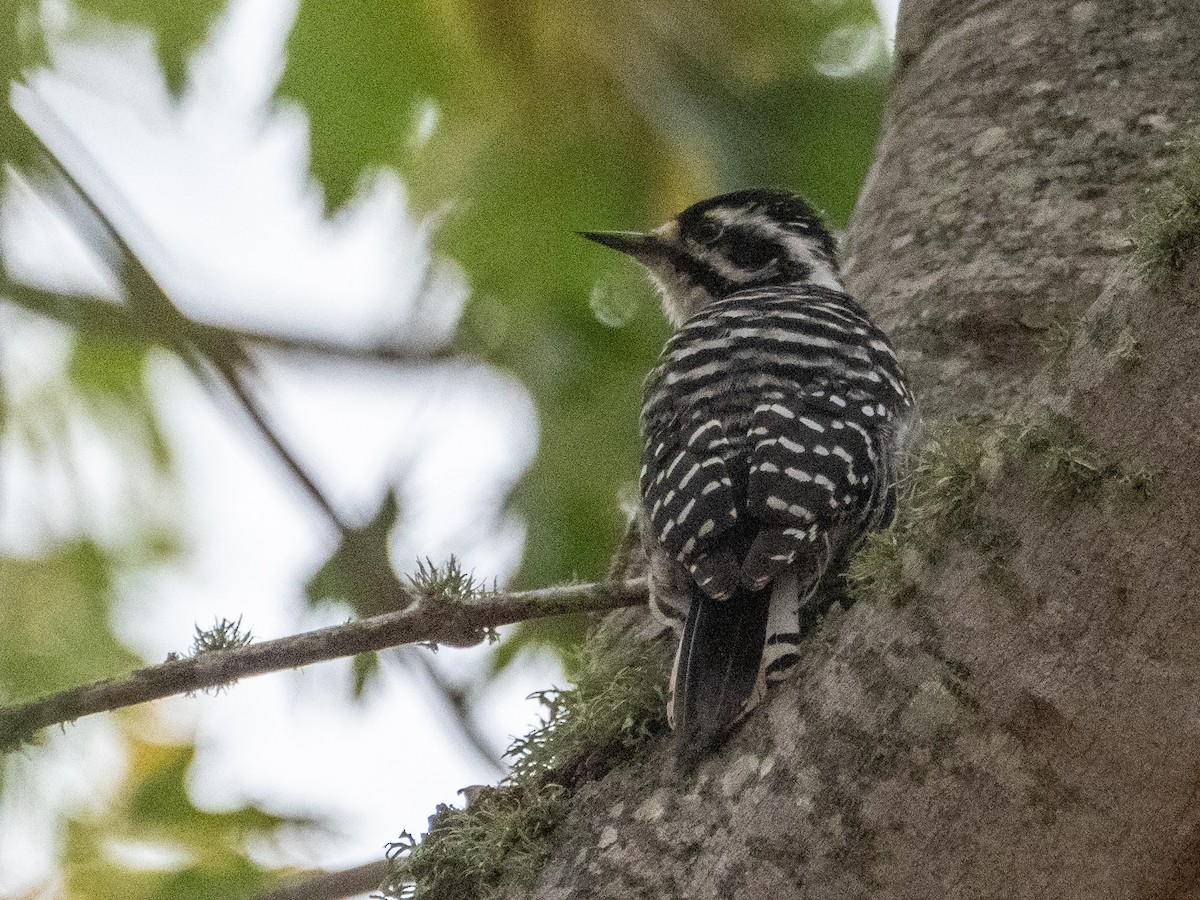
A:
(429, 621)
(618, 565)
(114, 320)
(152, 316)
(236, 384)
(154, 312)
(103, 318)
(459, 703)
(331, 885)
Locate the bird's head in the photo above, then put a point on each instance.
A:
(752, 238)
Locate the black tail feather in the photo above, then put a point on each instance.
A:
(717, 667)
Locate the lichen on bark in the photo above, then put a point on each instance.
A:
(498, 842)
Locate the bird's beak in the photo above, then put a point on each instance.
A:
(642, 247)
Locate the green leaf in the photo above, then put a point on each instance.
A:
(108, 369)
(363, 667)
(368, 74)
(359, 572)
(206, 853)
(20, 47)
(110, 376)
(178, 28)
(54, 628)
(562, 634)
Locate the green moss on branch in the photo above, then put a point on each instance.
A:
(504, 836)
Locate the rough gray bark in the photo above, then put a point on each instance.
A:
(1030, 735)
(1018, 138)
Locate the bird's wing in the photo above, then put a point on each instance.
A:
(810, 475)
(689, 498)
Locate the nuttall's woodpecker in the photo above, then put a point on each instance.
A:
(773, 424)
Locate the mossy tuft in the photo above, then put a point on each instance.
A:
(940, 498)
(1167, 234)
(618, 703)
(1127, 350)
(1057, 339)
(1117, 340)
(447, 583)
(1072, 468)
(225, 634)
(877, 569)
(946, 483)
(504, 836)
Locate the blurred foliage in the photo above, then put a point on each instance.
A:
(359, 571)
(185, 851)
(109, 377)
(54, 631)
(178, 28)
(20, 46)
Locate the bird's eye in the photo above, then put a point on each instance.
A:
(706, 231)
(753, 255)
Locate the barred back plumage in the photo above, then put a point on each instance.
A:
(773, 425)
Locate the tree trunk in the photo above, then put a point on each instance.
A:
(1025, 725)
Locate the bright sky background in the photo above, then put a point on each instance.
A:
(230, 220)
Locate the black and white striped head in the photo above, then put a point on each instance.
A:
(753, 238)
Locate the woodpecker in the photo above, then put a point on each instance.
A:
(773, 427)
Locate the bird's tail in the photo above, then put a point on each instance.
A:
(718, 673)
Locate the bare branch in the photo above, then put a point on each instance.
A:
(235, 381)
(215, 355)
(104, 318)
(459, 703)
(431, 620)
(152, 311)
(331, 885)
